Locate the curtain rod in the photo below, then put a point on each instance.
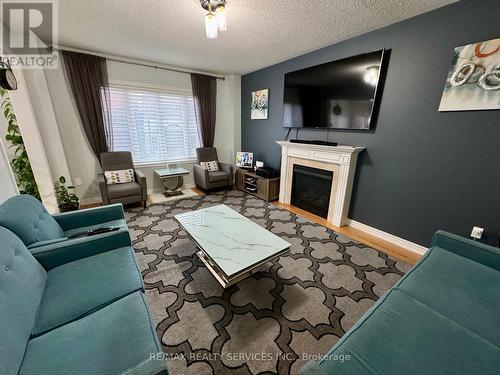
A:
(131, 61)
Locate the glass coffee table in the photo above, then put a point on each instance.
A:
(171, 179)
(231, 246)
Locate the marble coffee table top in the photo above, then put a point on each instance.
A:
(232, 241)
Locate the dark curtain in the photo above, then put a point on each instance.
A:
(205, 100)
(88, 77)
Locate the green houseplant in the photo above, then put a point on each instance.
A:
(20, 163)
(68, 201)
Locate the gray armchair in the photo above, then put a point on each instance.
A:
(130, 192)
(215, 179)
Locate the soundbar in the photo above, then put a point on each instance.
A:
(322, 143)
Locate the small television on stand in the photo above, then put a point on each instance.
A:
(244, 160)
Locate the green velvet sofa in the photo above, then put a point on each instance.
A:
(44, 233)
(75, 309)
(442, 317)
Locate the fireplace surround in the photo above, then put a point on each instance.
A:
(339, 160)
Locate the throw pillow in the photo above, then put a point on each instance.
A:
(212, 166)
(122, 176)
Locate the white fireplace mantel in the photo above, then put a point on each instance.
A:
(341, 160)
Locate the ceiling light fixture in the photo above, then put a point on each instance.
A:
(217, 21)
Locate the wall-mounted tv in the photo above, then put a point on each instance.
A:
(342, 94)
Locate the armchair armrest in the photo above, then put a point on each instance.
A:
(229, 169)
(103, 188)
(141, 179)
(473, 250)
(59, 253)
(89, 216)
(200, 176)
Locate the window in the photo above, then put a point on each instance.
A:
(156, 126)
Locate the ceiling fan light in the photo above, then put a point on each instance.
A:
(220, 12)
(211, 25)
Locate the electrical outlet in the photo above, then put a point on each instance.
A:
(78, 181)
(477, 233)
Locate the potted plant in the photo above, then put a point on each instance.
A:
(68, 201)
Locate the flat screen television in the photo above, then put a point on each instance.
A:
(341, 94)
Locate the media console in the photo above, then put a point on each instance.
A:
(316, 142)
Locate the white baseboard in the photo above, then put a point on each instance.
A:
(401, 242)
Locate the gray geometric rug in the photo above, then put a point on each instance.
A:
(295, 308)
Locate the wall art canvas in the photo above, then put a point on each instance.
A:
(260, 105)
(473, 81)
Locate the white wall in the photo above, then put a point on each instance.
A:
(82, 163)
(8, 187)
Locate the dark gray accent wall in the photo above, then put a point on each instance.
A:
(423, 170)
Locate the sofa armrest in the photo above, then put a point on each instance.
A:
(141, 179)
(56, 254)
(200, 176)
(229, 169)
(89, 216)
(473, 250)
(103, 188)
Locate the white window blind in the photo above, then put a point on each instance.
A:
(156, 126)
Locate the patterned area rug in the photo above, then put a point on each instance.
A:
(291, 311)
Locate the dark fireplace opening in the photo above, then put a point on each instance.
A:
(311, 189)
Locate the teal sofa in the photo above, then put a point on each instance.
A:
(75, 309)
(42, 232)
(442, 317)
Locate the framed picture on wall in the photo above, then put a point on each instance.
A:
(473, 81)
(260, 105)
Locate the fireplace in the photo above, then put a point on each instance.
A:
(311, 189)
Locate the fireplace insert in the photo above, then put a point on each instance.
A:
(311, 188)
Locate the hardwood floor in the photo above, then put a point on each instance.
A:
(358, 235)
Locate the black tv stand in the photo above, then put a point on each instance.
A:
(322, 143)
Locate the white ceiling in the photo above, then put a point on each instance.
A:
(261, 32)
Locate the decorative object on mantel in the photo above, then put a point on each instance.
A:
(260, 105)
(341, 160)
(473, 81)
(214, 21)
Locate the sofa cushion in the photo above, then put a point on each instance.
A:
(459, 288)
(218, 176)
(121, 223)
(402, 335)
(78, 288)
(29, 220)
(116, 339)
(124, 190)
(22, 282)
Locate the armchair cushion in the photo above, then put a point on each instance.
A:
(119, 177)
(75, 289)
(124, 190)
(29, 220)
(212, 166)
(218, 176)
(117, 339)
(22, 282)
